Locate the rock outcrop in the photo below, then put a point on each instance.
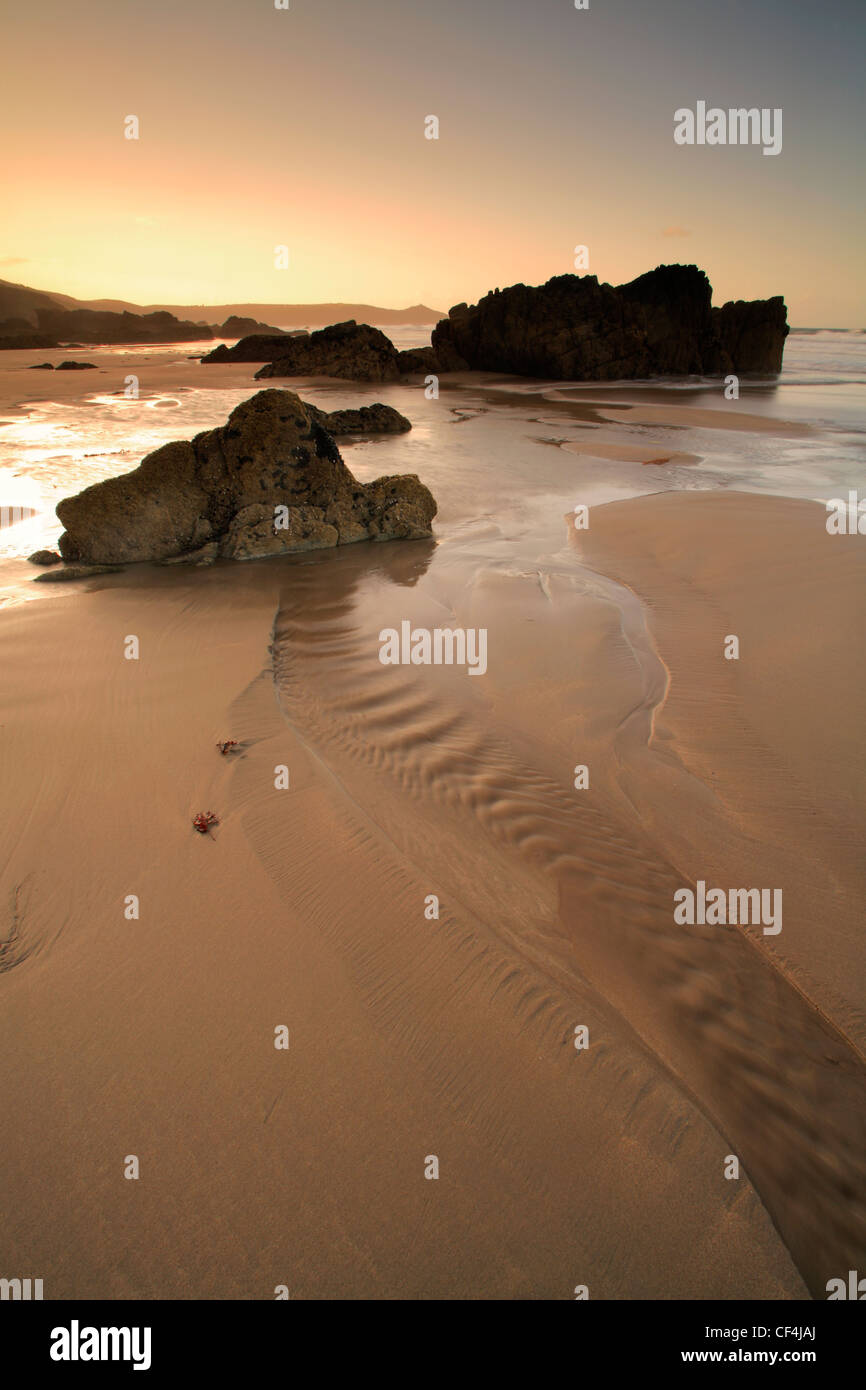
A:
(105, 326)
(258, 347)
(269, 481)
(573, 328)
(752, 334)
(237, 327)
(367, 419)
(418, 360)
(351, 350)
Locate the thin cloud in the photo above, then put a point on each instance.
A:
(14, 260)
(676, 230)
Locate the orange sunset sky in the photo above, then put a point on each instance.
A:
(305, 127)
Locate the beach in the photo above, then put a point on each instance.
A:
(567, 1160)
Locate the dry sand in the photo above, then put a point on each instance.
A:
(453, 1037)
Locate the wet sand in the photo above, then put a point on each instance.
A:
(413, 1037)
(21, 383)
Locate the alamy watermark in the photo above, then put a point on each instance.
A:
(736, 126)
(846, 518)
(439, 646)
(76, 1343)
(718, 908)
(20, 1290)
(855, 1288)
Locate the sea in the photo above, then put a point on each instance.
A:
(478, 443)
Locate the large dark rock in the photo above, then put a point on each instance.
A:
(351, 350)
(226, 485)
(258, 347)
(573, 328)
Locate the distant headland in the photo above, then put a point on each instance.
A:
(662, 324)
(41, 319)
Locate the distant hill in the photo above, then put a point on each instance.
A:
(21, 302)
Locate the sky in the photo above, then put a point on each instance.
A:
(305, 128)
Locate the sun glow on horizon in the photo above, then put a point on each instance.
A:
(243, 146)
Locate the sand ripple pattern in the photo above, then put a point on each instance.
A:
(577, 894)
